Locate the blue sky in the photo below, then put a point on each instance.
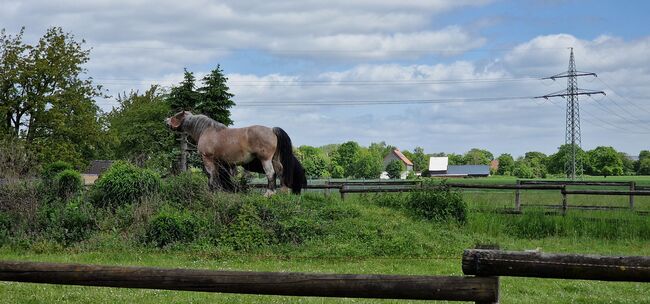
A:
(452, 57)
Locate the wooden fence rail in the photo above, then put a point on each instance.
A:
(451, 288)
(559, 266)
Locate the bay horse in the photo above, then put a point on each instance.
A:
(256, 148)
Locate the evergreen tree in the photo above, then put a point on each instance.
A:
(214, 97)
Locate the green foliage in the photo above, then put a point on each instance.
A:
(215, 100)
(139, 132)
(5, 228)
(345, 156)
(506, 164)
(477, 157)
(644, 166)
(438, 202)
(68, 183)
(52, 169)
(16, 160)
(366, 165)
(55, 63)
(455, 159)
(338, 171)
(186, 189)
(394, 169)
(419, 159)
(604, 161)
(523, 170)
(124, 183)
(246, 232)
(314, 161)
(70, 222)
(170, 226)
(556, 162)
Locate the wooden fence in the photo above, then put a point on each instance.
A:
(482, 269)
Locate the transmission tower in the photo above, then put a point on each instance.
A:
(573, 165)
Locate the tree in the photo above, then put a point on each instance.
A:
(41, 85)
(642, 155)
(628, 164)
(455, 159)
(214, 97)
(394, 169)
(419, 159)
(314, 161)
(345, 156)
(138, 129)
(477, 157)
(644, 166)
(556, 163)
(366, 165)
(506, 164)
(605, 161)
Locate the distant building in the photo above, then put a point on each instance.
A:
(95, 169)
(439, 166)
(397, 155)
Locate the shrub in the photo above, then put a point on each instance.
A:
(246, 231)
(124, 183)
(16, 159)
(171, 226)
(186, 188)
(51, 170)
(68, 223)
(5, 227)
(68, 183)
(438, 203)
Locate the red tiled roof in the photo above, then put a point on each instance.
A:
(402, 157)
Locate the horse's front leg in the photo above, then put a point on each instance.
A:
(211, 169)
(270, 176)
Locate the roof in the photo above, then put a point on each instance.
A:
(438, 163)
(468, 170)
(401, 156)
(98, 167)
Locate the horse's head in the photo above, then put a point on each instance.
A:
(175, 122)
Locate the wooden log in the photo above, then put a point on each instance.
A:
(559, 266)
(575, 183)
(455, 288)
(610, 192)
(512, 187)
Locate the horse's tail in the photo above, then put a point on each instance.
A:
(293, 174)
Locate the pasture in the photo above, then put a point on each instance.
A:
(366, 233)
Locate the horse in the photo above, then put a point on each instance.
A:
(256, 148)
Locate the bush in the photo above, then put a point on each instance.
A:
(171, 226)
(246, 231)
(5, 228)
(124, 183)
(69, 223)
(51, 170)
(438, 202)
(186, 189)
(68, 183)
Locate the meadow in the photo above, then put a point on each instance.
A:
(380, 233)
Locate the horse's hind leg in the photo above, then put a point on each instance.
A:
(270, 176)
(279, 171)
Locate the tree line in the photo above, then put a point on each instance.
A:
(48, 112)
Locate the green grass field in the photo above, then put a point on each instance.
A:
(373, 239)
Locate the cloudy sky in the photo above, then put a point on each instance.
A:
(446, 75)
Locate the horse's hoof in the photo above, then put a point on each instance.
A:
(268, 193)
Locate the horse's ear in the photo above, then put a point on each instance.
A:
(174, 122)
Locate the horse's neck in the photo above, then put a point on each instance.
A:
(196, 130)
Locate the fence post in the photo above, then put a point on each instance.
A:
(632, 188)
(490, 247)
(517, 198)
(327, 189)
(342, 191)
(564, 200)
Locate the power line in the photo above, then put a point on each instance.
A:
(624, 98)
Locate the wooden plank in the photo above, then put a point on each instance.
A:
(609, 192)
(559, 266)
(575, 183)
(454, 288)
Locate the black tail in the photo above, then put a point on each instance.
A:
(293, 174)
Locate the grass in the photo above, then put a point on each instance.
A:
(361, 236)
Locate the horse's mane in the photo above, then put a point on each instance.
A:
(194, 125)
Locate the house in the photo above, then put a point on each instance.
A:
(95, 169)
(439, 166)
(396, 154)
